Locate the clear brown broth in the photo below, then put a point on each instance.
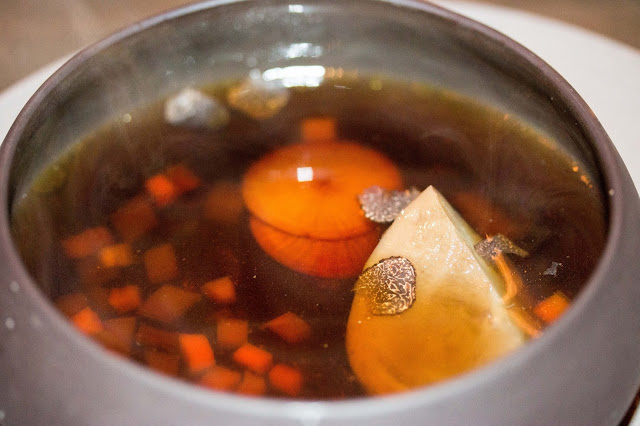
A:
(433, 136)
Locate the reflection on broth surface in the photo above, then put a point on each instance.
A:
(222, 246)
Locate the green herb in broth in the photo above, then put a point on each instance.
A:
(503, 178)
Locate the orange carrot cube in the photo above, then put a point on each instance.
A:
(252, 384)
(134, 219)
(160, 263)
(319, 129)
(286, 379)
(182, 178)
(220, 291)
(87, 321)
(168, 303)
(116, 255)
(71, 304)
(232, 333)
(551, 308)
(86, 243)
(162, 362)
(157, 338)
(221, 378)
(290, 327)
(125, 299)
(252, 357)
(161, 189)
(196, 351)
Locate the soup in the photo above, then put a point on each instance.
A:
(170, 237)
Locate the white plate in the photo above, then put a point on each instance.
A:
(605, 73)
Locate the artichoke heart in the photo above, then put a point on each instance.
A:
(442, 317)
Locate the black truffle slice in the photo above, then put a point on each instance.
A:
(391, 283)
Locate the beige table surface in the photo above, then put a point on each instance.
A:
(36, 32)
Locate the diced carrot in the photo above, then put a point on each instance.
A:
(161, 189)
(86, 243)
(232, 333)
(196, 351)
(92, 273)
(286, 379)
(157, 338)
(252, 357)
(118, 334)
(224, 203)
(320, 129)
(183, 178)
(168, 303)
(87, 321)
(134, 219)
(221, 378)
(252, 384)
(551, 308)
(163, 362)
(160, 263)
(220, 290)
(71, 304)
(125, 299)
(290, 327)
(116, 255)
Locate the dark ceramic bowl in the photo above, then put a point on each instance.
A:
(584, 370)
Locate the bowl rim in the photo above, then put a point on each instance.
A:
(608, 166)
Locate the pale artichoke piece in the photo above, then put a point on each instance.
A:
(457, 321)
(194, 109)
(258, 98)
